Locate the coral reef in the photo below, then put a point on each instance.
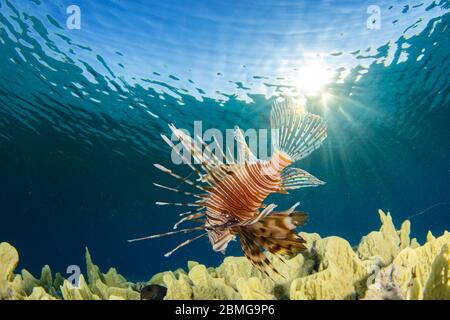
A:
(24, 286)
(386, 265)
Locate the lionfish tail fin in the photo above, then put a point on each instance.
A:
(299, 132)
(274, 233)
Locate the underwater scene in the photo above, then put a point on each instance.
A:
(255, 150)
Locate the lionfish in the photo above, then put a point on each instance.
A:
(232, 191)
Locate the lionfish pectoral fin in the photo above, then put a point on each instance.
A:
(168, 234)
(295, 178)
(220, 238)
(195, 195)
(276, 233)
(282, 191)
(261, 215)
(253, 252)
(207, 160)
(188, 218)
(299, 132)
(178, 177)
(184, 243)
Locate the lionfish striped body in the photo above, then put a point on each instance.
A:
(231, 201)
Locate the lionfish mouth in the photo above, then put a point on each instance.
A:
(231, 191)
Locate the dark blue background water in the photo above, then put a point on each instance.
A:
(81, 112)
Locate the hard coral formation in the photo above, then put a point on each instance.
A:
(330, 269)
(385, 286)
(386, 243)
(386, 265)
(25, 286)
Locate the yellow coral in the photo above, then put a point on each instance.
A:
(341, 274)
(191, 264)
(93, 271)
(385, 286)
(403, 234)
(329, 269)
(254, 289)
(114, 279)
(414, 243)
(234, 268)
(329, 284)
(384, 243)
(108, 285)
(39, 293)
(158, 278)
(79, 292)
(10, 285)
(438, 283)
(207, 287)
(310, 238)
(29, 282)
(415, 265)
(291, 269)
(177, 289)
(115, 293)
(9, 258)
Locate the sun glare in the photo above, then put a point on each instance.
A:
(313, 77)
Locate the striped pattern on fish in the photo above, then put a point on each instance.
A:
(233, 191)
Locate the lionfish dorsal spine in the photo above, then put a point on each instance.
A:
(233, 189)
(299, 132)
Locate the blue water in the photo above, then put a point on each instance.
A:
(81, 112)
